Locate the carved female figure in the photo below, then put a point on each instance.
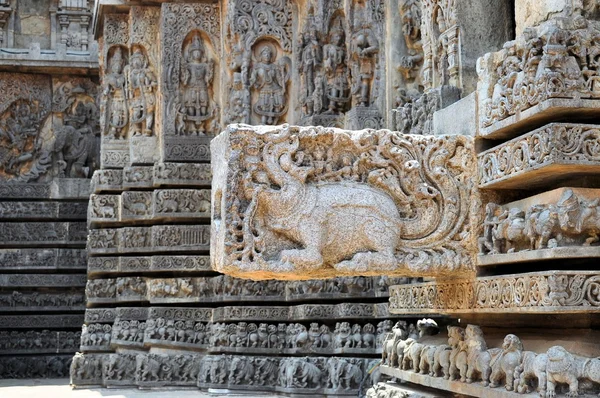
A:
(115, 83)
(142, 87)
(365, 47)
(310, 59)
(334, 62)
(269, 79)
(196, 77)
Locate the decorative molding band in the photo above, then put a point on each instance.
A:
(533, 293)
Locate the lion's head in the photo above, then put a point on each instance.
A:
(512, 343)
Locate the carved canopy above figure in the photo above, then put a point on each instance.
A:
(305, 202)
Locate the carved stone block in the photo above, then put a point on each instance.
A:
(540, 77)
(535, 292)
(545, 155)
(86, 369)
(182, 174)
(107, 180)
(424, 202)
(189, 263)
(34, 367)
(42, 259)
(137, 177)
(65, 321)
(45, 280)
(136, 205)
(95, 336)
(24, 301)
(42, 233)
(100, 315)
(561, 223)
(104, 208)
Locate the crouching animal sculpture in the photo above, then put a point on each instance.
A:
(297, 209)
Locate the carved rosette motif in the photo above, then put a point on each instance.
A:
(420, 185)
(538, 292)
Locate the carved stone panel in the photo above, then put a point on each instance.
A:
(545, 155)
(562, 223)
(406, 210)
(535, 292)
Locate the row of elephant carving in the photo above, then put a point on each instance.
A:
(217, 337)
(232, 371)
(37, 341)
(467, 358)
(573, 220)
(224, 286)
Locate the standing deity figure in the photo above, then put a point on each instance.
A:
(270, 79)
(310, 60)
(115, 93)
(364, 48)
(142, 92)
(334, 62)
(196, 77)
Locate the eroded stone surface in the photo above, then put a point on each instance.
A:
(279, 194)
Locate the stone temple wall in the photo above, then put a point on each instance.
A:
(49, 149)
(156, 311)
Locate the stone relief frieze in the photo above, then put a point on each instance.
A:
(572, 218)
(421, 196)
(467, 358)
(45, 341)
(32, 366)
(537, 292)
(42, 259)
(95, 337)
(558, 144)
(190, 55)
(35, 301)
(553, 60)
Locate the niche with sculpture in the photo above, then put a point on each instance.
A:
(142, 85)
(114, 94)
(268, 79)
(197, 109)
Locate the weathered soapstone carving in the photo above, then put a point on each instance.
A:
(553, 60)
(568, 146)
(74, 19)
(364, 48)
(410, 64)
(119, 369)
(115, 94)
(34, 367)
(24, 153)
(137, 177)
(190, 64)
(467, 357)
(421, 199)
(141, 85)
(136, 205)
(259, 35)
(34, 301)
(95, 337)
(532, 292)
(42, 258)
(86, 369)
(99, 315)
(107, 180)
(38, 342)
(182, 174)
(101, 290)
(42, 233)
(197, 106)
(574, 220)
(323, 69)
(6, 35)
(76, 129)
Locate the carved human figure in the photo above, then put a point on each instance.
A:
(310, 61)
(196, 77)
(142, 93)
(269, 79)
(364, 49)
(115, 93)
(75, 142)
(334, 64)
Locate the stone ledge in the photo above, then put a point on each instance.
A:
(108, 265)
(43, 210)
(42, 234)
(41, 280)
(41, 302)
(556, 253)
(155, 239)
(474, 389)
(555, 292)
(73, 321)
(162, 205)
(42, 259)
(547, 111)
(161, 174)
(61, 188)
(543, 156)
